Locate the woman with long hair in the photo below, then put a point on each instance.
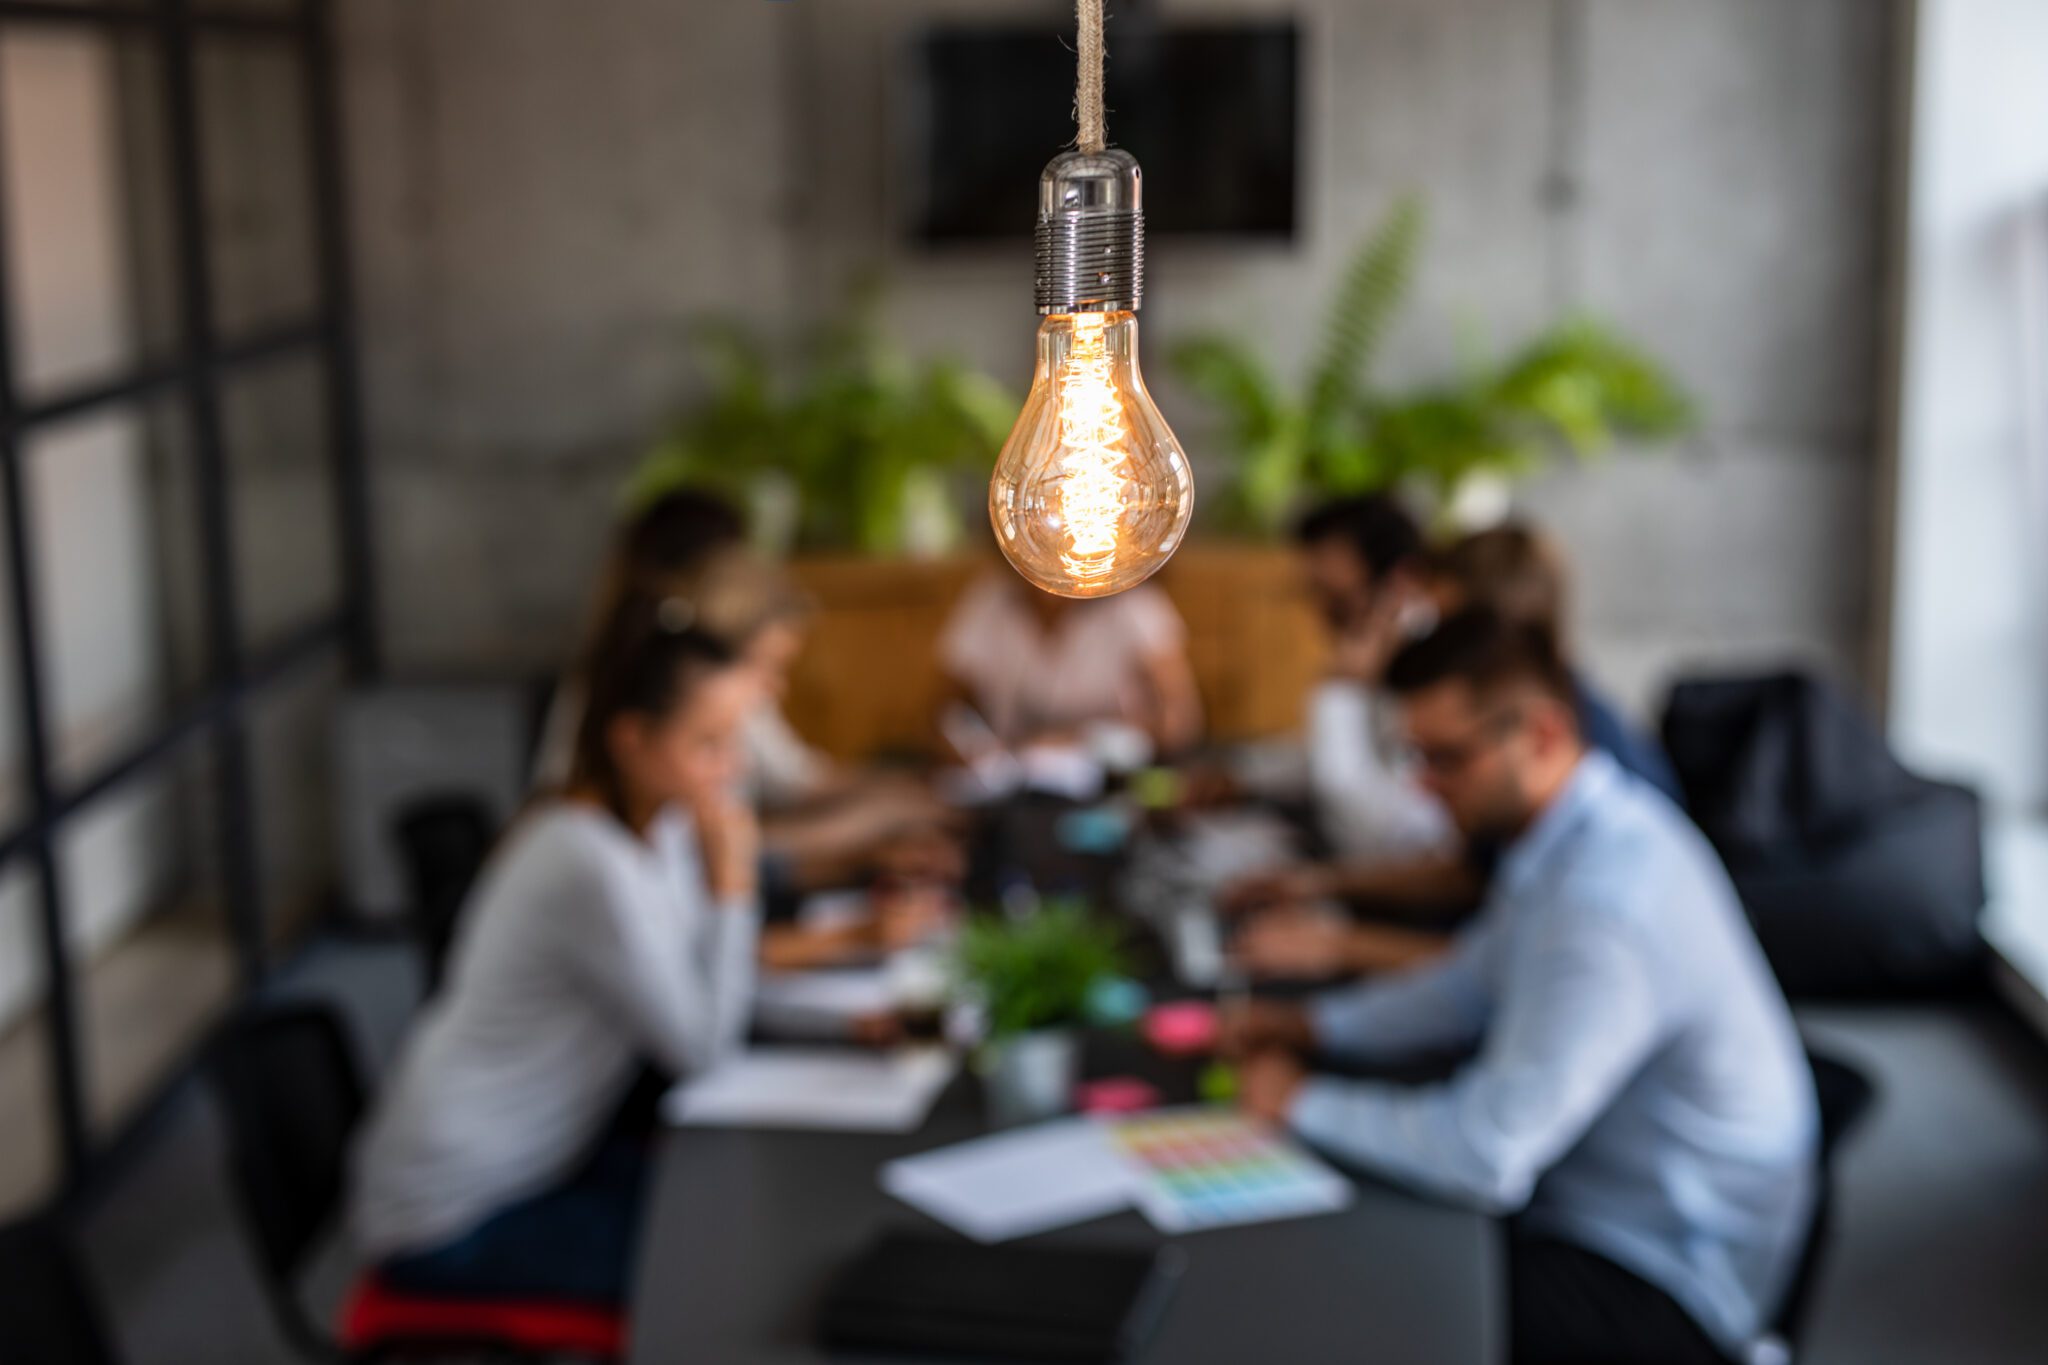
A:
(613, 931)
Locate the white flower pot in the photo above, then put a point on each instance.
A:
(1031, 1076)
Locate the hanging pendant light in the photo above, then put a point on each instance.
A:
(1092, 493)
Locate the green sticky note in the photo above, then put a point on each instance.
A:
(1218, 1083)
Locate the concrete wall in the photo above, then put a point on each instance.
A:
(546, 192)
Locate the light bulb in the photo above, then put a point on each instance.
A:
(1091, 493)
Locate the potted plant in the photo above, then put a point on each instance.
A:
(1033, 977)
(1577, 386)
(836, 438)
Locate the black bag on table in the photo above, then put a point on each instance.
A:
(1861, 878)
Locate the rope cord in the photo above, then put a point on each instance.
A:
(1088, 112)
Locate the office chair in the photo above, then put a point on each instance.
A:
(443, 840)
(47, 1313)
(292, 1096)
(1845, 1095)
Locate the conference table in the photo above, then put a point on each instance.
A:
(745, 1229)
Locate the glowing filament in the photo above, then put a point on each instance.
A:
(1093, 487)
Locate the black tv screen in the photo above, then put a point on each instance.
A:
(1208, 110)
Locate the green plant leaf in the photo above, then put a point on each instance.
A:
(1582, 384)
(1371, 293)
(1226, 372)
(850, 419)
(1037, 971)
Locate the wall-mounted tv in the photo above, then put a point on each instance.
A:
(1209, 110)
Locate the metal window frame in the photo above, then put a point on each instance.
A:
(237, 678)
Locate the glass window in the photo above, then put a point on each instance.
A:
(85, 169)
(115, 548)
(149, 938)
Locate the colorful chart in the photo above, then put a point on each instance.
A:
(1205, 1168)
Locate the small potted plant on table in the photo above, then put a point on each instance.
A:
(1034, 978)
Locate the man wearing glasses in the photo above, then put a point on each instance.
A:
(1638, 1098)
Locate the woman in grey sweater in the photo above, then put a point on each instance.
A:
(614, 931)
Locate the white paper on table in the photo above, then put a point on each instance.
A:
(1067, 770)
(821, 1004)
(828, 1088)
(1017, 1183)
(833, 909)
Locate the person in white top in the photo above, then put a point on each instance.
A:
(1391, 840)
(614, 930)
(1041, 668)
(835, 824)
(823, 826)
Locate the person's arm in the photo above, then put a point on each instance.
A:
(1165, 702)
(844, 842)
(686, 1008)
(806, 947)
(1307, 943)
(1433, 884)
(1430, 886)
(1575, 1021)
(1441, 1004)
(1175, 703)
(894, 919)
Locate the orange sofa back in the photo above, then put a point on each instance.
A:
(868, 681)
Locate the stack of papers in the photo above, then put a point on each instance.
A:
(1015, 1184)
(823, 1088)
(1184, 1169)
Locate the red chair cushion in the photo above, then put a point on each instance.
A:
(378, 1315)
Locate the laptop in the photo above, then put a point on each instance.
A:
(915, 1293)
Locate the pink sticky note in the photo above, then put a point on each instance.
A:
(1115, 1095)
(1182, 1028)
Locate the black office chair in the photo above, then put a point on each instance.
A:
(47, 1313)
(443, 841)
(289, 1089)
(1846, 1095)
(292, 1096)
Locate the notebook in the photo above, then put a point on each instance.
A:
(1016, 1183)
(915, 1293)
(829, 1088)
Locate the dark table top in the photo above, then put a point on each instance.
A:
(744, 1229)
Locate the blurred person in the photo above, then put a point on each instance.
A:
(821, 827)
(660, 546)
(825, 825)
(1520, 573)
(613, 931)
(1638, 1100)
(1362, 557)
(831, 825)
(1042, 669)
(1390, 840)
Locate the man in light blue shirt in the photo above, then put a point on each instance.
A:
(1639, 1099)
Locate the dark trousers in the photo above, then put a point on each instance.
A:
(1568, 1306)
(574, 1242)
